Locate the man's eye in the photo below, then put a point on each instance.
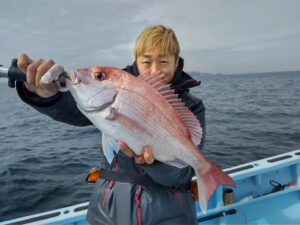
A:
(164, 61)
(145, 62)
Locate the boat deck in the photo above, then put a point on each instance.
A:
(257, 200)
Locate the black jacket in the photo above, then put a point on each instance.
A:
(116, 203)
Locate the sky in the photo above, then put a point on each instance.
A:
(215, 36)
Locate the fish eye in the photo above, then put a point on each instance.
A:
(100, 75)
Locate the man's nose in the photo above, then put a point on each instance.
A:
(154, 68)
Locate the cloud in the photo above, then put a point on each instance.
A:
(215, 36)
(115, 53)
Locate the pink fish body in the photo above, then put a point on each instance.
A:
(142, 111)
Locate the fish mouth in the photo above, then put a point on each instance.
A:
(73, 78)
(61, 83)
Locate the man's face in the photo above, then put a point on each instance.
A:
(153, 61)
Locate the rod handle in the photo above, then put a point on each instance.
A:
(15, 74)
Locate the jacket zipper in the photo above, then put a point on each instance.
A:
(111, 183)
(177, 195)
(138, 204)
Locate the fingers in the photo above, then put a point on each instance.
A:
(23, 62)
(145, 157)
(125, 149)
(41, 70)
(35, 69)
(148, 155)
(31, 72)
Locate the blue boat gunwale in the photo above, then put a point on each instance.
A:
(75, 213)
(252, 201)
(70, 213)
(266, 165)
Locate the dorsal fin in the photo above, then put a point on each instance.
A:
(164, 88)
(188, 118)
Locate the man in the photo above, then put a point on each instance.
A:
(167, 200)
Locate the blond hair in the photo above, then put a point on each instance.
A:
(157, 37)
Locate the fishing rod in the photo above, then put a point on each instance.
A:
(13, 74)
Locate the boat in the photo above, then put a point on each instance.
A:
(267, 192)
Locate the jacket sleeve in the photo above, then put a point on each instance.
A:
(170, 175)
(61, 107)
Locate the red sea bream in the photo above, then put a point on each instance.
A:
(142, 111)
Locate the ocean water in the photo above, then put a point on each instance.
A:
(44, 163)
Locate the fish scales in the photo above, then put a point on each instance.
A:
(156, 115)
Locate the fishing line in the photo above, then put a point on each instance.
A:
(244, 214)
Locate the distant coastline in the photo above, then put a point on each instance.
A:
(194, 73)
(296, 72)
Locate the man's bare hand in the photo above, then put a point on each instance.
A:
(145, 157)
(34, 70)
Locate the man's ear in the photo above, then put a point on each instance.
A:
(176, 63)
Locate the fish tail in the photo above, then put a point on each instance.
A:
(208, 179)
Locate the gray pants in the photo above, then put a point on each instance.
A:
(158, 205)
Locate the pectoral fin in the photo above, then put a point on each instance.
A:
(109, 146)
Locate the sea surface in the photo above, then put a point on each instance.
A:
(43, 163)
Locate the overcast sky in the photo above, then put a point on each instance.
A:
(232, 36)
